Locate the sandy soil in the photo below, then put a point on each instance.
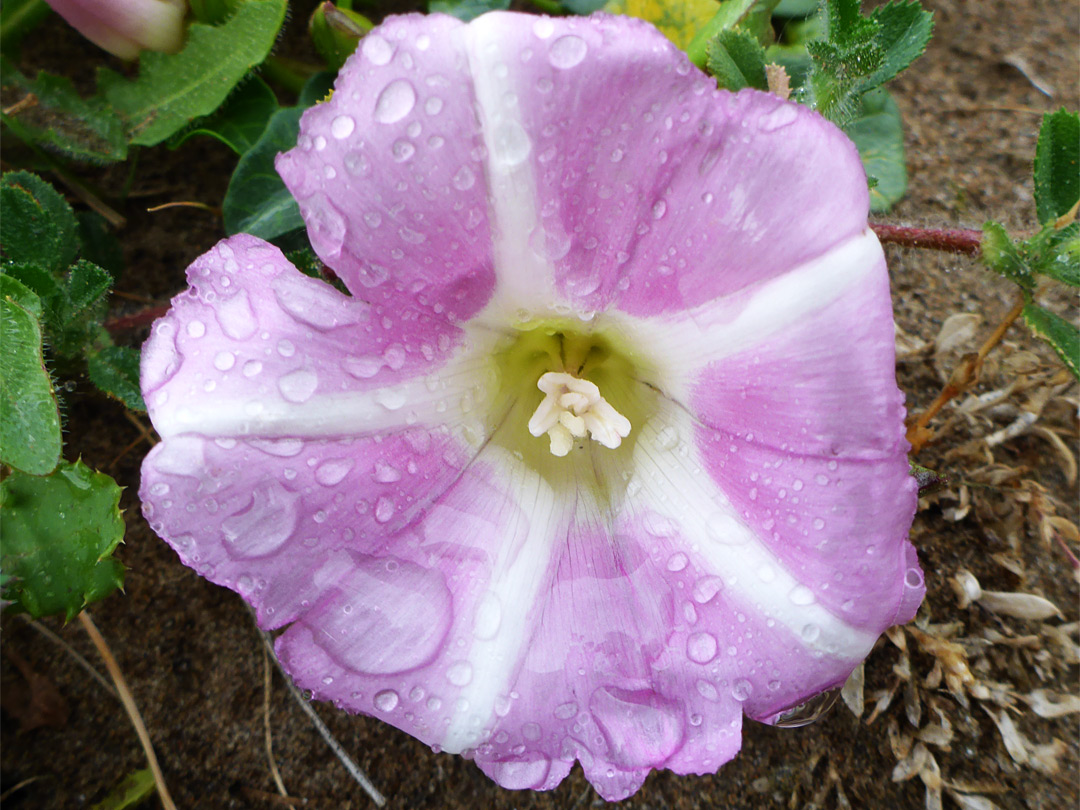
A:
(193, 658)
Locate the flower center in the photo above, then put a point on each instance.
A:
(573, 409)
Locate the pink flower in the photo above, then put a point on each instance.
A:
(604, 451)
(125, 27)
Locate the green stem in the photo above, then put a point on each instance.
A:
(19, 18)
(289, 73)
(729, 14)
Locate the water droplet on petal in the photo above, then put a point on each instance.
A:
(544, 27)
(510, 144)
(567, 51)
(488, 617)
(706, 588)
(395, 101)
(801, 595)
(333, 471)
(677, 561)
(298, 386)
(701, 648)
(342, 127)
(223, 361)
(196, 329)
(263, 525)
(460, 674)
(386, 700)
(464, 179)
(376, 49)
(741, 690)
(564, 711)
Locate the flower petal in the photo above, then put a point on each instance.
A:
(389, 173)
(255, 348)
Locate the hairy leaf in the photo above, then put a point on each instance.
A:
(880, 140)
(115, 370)
(257, 201)
(1002, 255)
(1057, 165)
(737, 60)
(1062, 336)
(37, 226)
(30, 437)
(51, 114)
(173, 89)
(905, 30)
(57, 535)
(240, 121)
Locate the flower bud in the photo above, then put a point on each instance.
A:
(126, 27)
(336, 32)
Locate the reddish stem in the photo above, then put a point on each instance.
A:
(953, 240)
(143, 317)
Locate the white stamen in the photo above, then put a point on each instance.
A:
(572, 409)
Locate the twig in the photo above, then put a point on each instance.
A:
(324, 732)
(952, 240)
(82, 662)
(25, 103)
(139, 426)
(962, 379)
(129, 706)
(185, 204)
(266, 725)
(19, 786)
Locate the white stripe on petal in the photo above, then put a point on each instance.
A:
(501, 625)
(523, 277)
(683, 343)
(455, 395)
(669, 484)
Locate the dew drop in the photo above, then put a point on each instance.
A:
(464, 179)
(677, 562)
(701, 648)
(510, 144)
(460, 673)
(659, 209)
(333, 471)
(298, 386)
(433, 106)
(706, 588)
(564, 711)
(384, 509)
(342, 127)
(196, 329)
(376, 49)
(252, 367)
(567, 51)
(223, 361)
(741, 690)
(395, 101)
(386, 700)
(801, 595)
(488, 617)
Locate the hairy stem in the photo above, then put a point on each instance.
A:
(951, 240)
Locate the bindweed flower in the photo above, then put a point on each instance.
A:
(604, 450)
(126, 27)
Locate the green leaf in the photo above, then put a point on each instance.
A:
(257, 201)
(1055, 252)
(879, 137)
(1002, 255)
(173, 89)
(72, 317)
(317, 88)
(1057, 165)
(17, 17)
(1062, 336)
(687, 23)
(133, 790)
(737, 60)
(582, 6)
(467, 9)
(37, 226)
(61, 121)
(57, 535)
(796, 8)
(115, 370)
(240, 121)
(30, 437)
(905, 31)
